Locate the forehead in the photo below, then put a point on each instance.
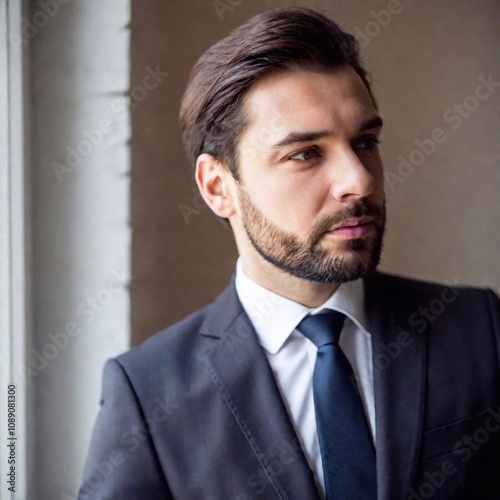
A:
(285, 101)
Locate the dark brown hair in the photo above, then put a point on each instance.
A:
(211, 115)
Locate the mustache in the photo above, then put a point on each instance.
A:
(359, 209)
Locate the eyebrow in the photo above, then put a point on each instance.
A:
(297, 137)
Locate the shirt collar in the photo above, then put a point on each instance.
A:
(275, 317)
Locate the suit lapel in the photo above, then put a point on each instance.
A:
(399, 364)
(239, 367)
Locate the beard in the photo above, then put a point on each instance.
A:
(351, 259)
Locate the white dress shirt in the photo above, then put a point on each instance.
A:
(292, 356)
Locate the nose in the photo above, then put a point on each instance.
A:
(351, 179)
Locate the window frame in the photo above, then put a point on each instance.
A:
(15, 246)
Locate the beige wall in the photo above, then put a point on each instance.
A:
(443, 217)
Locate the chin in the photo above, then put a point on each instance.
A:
(357, 259)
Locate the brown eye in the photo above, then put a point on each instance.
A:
(305, 155)
(367, 144)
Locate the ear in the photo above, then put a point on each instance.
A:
(215, 183)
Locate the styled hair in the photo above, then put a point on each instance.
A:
(212, 116)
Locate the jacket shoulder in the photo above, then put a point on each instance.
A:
(409, 297)
(397, 285)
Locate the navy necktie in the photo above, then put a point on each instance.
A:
(346, 446)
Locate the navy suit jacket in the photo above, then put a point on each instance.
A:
(195, 413)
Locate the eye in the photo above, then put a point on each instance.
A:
(367, 143)
(304, 155)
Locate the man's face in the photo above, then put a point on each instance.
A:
(310, 192)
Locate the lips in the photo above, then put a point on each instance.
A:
(359, 221)
(352, 228)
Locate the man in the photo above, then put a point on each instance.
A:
(312, 375)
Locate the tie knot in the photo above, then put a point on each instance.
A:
(322, 328)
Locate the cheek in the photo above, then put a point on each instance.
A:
(289, 202)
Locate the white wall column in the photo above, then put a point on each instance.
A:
(81, 162)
